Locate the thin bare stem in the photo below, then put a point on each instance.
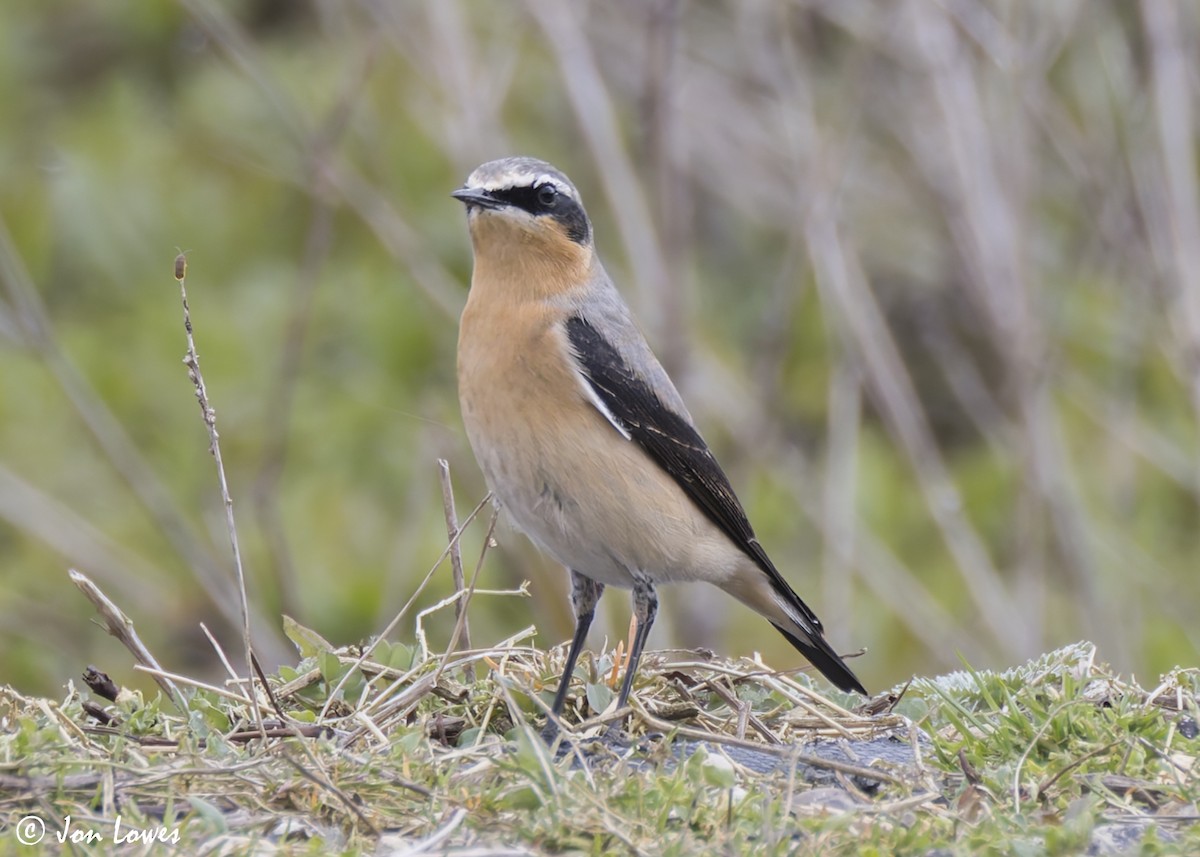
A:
(462, 604)
(456, 566)
(192, 361)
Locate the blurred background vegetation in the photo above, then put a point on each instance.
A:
(927, 273)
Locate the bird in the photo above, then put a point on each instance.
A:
(582, 437)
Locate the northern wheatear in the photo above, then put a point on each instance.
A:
(580, 434)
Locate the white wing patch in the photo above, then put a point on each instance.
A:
(592, 396)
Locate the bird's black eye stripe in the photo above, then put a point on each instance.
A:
(547, 200)
(536, 199)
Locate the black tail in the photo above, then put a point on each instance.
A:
(824, 658)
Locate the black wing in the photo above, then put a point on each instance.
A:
(675, 445)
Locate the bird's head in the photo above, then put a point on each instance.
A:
(523, 211)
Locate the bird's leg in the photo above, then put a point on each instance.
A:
(645, 607)
(585, 593)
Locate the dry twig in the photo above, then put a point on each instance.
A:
(120, 626)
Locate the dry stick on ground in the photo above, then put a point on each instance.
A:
(221, 656)
(192, 361)
(461, 605)
(254, 664)
(384, 706)
(120, 626)
(391, 626)
(791, 754)
(456, 566)
(349, 803)
(223, 692)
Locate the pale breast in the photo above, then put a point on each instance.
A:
(585, 494)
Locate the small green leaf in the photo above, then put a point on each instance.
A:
(693, 766)
(353, 689)
(214, 716)
(307, 641)
(409, 742)
(330, 666)
(718, 771)
(599, 697)
(396, 655)
(209, 813)
(522, 798)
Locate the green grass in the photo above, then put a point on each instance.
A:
(1037, 760)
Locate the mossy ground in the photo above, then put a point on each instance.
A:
(407, 750)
